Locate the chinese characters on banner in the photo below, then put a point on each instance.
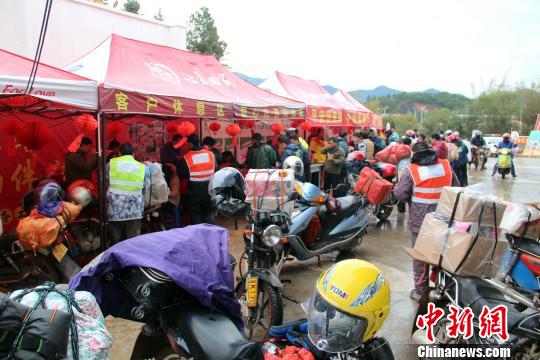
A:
(491, 322)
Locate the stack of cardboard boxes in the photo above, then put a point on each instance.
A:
(463, 235)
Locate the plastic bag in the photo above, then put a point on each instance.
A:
(157, 191)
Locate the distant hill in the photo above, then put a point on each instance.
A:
(379, 91)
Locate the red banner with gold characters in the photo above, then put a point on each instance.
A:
(268, 113)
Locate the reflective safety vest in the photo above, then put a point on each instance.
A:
(201, 165)
(430, 180)
(126, 176)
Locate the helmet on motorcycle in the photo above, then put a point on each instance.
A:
(47, 191)
(295, 164)
(388, 171)
(228, 181)
(349, 305)
(80, 196)
(356, 155)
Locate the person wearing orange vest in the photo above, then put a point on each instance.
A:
(421, 185)
(196, 169)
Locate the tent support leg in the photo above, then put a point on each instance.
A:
(200, 130)
(101, 180)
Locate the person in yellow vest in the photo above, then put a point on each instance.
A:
(196, 169)
(125, 207)
(421, 185)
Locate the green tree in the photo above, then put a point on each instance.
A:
(159, 16)
(132, 6)
(202, 35)
(402, 123)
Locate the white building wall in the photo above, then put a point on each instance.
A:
(75, 28)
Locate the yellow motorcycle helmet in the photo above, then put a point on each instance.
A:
(349, 305)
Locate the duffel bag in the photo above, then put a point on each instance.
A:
(373, 186)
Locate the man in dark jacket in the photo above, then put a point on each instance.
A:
(377, 141)
(343, 143)
(460, 165)
(418, 192)
(79, 165)
(170, 152)
(295, 149)
(209, 143)
(335, 161)
(260, 155)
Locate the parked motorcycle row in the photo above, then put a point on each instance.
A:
(181, 325)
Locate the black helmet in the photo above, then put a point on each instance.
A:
(228, 182)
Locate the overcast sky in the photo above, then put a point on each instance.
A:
(451, 45)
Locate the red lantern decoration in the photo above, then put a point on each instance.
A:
(34, 135)
(350, 129)
(246, 124)
(12, 126)
(233, 130)
(336, 130)
(296, 123)
(276, 128)
(171, 127)
(305, 126)
(114, 129)
(85, 123)
(186, 128)
(214, 126)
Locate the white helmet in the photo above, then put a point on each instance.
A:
(80, 196)
(506, 135)
(294, 163)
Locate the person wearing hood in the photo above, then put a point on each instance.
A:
(295, 149)
(421, 186)
(460, 164)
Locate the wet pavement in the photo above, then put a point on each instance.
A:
(383, 246)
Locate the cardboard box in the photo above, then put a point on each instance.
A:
(270, 182)
(469, 205)
(476, 244)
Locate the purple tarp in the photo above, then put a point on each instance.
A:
(194, 257)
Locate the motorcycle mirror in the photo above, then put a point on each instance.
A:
(293, 196)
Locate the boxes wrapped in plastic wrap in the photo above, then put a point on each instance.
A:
(266, 189)
(270, 182)
(465, 248)
(522, 220)
(93, 338)
(468, 205)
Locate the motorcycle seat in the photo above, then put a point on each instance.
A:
(527, 245)
(348, 202)
(210, 335)
(476, 294)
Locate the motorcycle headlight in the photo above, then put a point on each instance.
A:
(271, 235)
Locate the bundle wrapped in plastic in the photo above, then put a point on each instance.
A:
(394, 153)
(157, 191)
(37, 230)
(89, 337)
(522, 220)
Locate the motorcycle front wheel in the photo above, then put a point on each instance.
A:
(267, 313)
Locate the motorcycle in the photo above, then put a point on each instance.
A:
(475, 293)
(521, 271)
(504, 161)
(21, 268)
(478, 157)
(152, 221)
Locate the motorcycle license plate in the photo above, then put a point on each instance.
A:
(59, 251)
(252, 291)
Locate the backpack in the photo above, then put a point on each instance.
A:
(156, 191)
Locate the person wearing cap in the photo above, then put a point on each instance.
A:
(506, 143)
(421, 186)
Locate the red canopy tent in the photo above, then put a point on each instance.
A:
(322, 109)
(363, 117)
(37, 123)
(141, 78)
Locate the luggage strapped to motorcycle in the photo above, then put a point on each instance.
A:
(450, 223)
(43, 291)
(526, 226)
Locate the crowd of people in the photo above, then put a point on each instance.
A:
(188, 164)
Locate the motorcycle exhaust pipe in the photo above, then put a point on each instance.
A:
(507, 290)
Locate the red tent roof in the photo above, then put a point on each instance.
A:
(50, 83)
(139, 77)
(359, 116)
(322, 108)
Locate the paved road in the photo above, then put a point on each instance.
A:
(383, 246)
